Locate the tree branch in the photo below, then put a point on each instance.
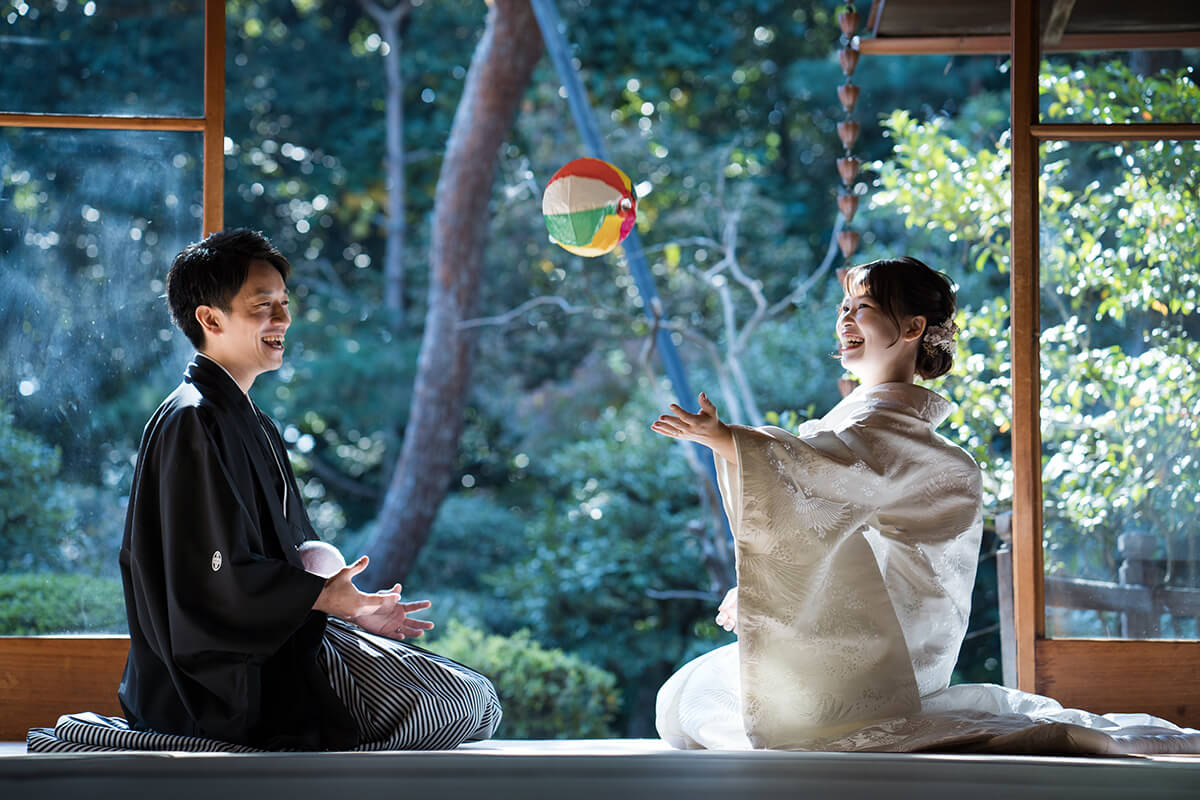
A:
(800, 291)
(544, 300)
(340, 480)
(387, 16)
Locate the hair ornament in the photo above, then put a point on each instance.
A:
(940, 337)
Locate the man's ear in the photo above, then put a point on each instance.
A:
(914, 329)
(210, 319)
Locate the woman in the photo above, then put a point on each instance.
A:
(857, 540)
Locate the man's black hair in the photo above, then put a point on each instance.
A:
(210, 272)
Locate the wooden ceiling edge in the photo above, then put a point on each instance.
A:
(1000, 44)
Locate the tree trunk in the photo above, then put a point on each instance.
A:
(390, 22)
(500, 71)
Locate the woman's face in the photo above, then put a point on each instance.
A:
(871, 344)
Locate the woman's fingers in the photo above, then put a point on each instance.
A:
(682, 422)
(684, 414)
(668, 425)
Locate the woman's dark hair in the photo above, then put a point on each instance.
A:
(907, 287)
(210, 272)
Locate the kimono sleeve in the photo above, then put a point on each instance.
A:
(822, 472)
(222, 592)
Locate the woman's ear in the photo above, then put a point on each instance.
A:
(914, 328)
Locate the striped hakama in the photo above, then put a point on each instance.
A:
(401, 697)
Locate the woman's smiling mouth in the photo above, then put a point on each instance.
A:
(851, 342)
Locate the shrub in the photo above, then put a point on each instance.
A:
(547, 694)
(47, 602)
(32, 513)
(471, 535)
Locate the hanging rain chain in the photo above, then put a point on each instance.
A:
(848, 130)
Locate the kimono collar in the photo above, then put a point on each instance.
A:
(215, 382)
(929, 406)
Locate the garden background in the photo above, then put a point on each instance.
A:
(575, 556)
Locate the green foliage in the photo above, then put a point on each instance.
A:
(1112, 92)
(33, 513)
(714, 107)
(615, 525)
(546, 693)
(1119, 382)
(472, 535)
(48, 602)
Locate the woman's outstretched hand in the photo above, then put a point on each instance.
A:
(703, 428)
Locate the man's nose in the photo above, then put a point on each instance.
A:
(282, 314)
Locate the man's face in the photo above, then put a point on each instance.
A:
(248, 339)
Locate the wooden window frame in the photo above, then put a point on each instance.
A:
(42, 677)
(1158, 677)
(211, 124)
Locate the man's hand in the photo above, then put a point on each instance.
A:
(393, 621)
(703, 428)
(727, 611)
(341, 598)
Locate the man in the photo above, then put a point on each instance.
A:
(230, 638)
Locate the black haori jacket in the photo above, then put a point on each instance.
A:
(223, 640)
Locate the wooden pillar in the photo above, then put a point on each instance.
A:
(1028, 611)
(214, 115)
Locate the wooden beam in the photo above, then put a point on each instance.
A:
(44, 677)
(933, 45)
(214, 115)
(1104, 676)
(1085, 132)
(100, 122)
(1028, 609)
(999, 45)
(1060, 15)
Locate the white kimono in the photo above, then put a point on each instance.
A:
(856, 543)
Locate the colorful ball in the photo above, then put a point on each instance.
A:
(589, 206)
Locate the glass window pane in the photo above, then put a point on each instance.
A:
(118, 57)
(1131, 87)
(1121, 389)
(89, 223)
